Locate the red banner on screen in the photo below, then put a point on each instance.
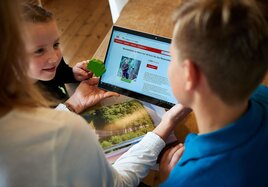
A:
(151, 49)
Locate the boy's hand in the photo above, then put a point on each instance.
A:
(87, 94)
(169, 159)
(81, 72)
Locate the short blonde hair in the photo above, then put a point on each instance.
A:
(227, 40)
(16, 88)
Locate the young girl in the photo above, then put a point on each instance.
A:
(47, 65)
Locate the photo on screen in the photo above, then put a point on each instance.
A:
(128, 69)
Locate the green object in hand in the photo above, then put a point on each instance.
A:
(96, 66)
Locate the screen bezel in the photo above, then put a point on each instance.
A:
(130, 93)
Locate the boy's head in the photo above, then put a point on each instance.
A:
(42, 42)
(226, 41)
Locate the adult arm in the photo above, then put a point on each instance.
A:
(134, 164)
(87, 94)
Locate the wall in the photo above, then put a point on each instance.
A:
(116, 6)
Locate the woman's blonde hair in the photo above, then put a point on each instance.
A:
(16, 90)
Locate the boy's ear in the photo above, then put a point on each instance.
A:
(191, 73)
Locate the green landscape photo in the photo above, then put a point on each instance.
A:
(120, 122)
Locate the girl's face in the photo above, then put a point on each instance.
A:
(42, 46)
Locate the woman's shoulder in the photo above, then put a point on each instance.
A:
(50, 114)
(45, 118)
(60, 135)
(50, 124)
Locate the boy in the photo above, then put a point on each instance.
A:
(219, 57)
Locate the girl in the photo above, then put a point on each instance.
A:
(46, 64)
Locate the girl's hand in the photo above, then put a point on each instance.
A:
(80, 71)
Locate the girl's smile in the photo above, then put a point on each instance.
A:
(42, 45)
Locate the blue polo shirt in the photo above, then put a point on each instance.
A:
(234, 156)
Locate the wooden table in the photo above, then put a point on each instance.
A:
(151, 16)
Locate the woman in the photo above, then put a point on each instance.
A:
(44, 147)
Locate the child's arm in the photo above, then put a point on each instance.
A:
(64, 74)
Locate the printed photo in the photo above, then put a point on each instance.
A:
(119, 125)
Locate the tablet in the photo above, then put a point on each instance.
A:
(136, 66)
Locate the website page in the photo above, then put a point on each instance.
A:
(139, 64)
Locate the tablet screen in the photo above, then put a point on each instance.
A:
(136, 65)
